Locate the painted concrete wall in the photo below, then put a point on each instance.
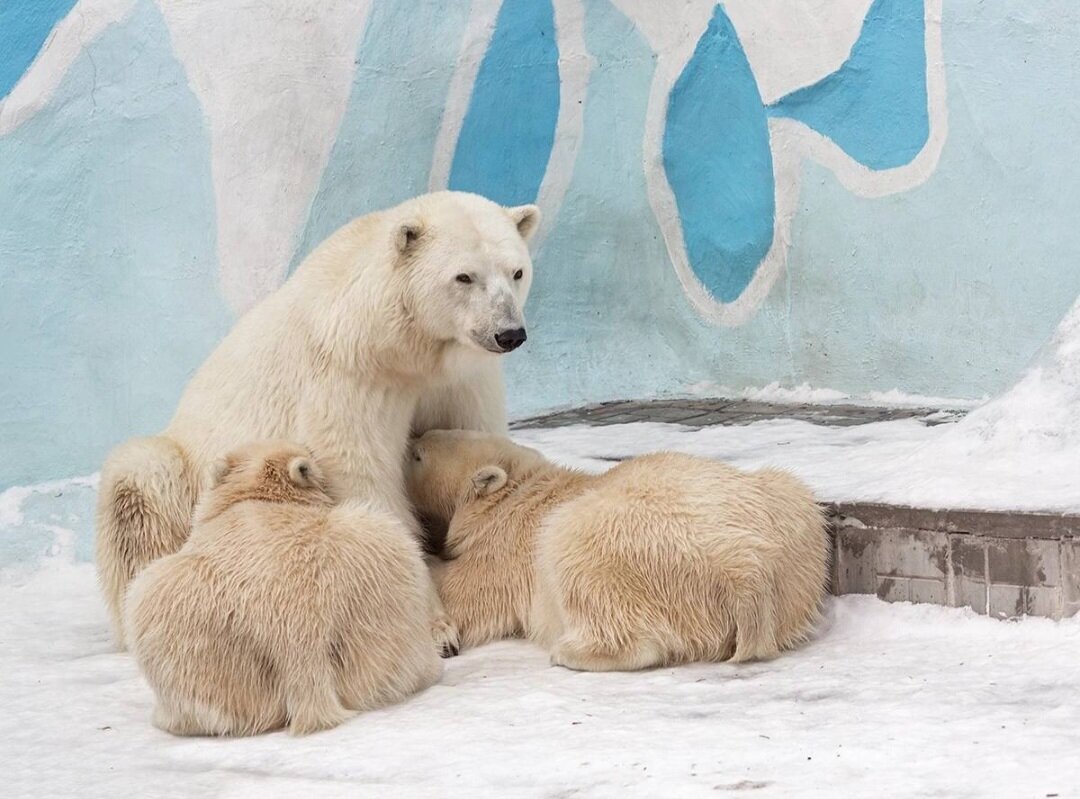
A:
(858, 194)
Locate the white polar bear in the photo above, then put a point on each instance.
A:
(413, 302)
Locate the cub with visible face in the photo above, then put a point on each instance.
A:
(664, 559)
(282, 609)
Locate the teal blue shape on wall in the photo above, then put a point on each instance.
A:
(107, 255)
(718, 162)
(875, 106)
(509, 129)
(25, 26)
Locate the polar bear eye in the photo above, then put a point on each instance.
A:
(463, 278)
(518, 274)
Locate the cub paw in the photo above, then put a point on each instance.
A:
(445, 635)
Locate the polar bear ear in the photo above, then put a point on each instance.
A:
(527, 219)
(302, 472)
(407, 234)
(488, 480)
(220, 469)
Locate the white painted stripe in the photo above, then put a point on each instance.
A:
(65, 43)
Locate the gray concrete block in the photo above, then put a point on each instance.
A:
(1006, 601)
(856, 555)
(834, 569)
(912, 553)
(1019, 561)
(969, 593)
(928, 591)
(1070, 576)
(1011, 601)
(968, 556)
(893, 589)
(1043, 601)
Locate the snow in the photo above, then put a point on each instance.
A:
(901, 462)
(807, 394)
(1040, 415)
(898, 700)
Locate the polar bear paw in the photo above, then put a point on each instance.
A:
(446, 637)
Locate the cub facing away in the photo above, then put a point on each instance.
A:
(664, 559)
(282, 608)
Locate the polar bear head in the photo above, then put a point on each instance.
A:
(449, 468)
(270, 471)
(466, 266)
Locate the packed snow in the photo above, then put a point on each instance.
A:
(900, 700)
(901, 462)
(896, 700)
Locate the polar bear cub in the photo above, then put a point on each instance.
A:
(282, 608)
(664, 559)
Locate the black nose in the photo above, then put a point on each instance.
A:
(510, 339)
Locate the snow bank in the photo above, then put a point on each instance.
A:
(1038, 416)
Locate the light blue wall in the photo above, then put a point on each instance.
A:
(943, 285)
(947, 289)
(107, 266)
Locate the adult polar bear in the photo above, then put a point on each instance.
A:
(397, 319)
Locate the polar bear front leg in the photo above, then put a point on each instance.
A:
(443, 630)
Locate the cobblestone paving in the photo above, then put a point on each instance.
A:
(709, 412)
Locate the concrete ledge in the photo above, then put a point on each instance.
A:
(1000, 564)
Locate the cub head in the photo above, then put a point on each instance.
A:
(450, 468)
(466, 267)
(271, 471)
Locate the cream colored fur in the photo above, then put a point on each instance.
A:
(282, 608)
(372, 323)
(664, 559)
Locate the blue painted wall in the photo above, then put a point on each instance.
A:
(107, 265)
(23, 30)
(719, 164)
(888, 220)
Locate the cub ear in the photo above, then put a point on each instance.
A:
(302, 472)
(220, 469)
(488, 480)
(407, 235)
(527, 219)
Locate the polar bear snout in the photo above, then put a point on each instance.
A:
(510, 339)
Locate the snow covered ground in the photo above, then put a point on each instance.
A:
(889, 700)
(901, 462)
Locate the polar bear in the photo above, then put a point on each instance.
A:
(664, 559)
(414, 302)
(283, 608)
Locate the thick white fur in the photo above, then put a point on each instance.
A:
(338, 358)
(282, 608)
(664, 559)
